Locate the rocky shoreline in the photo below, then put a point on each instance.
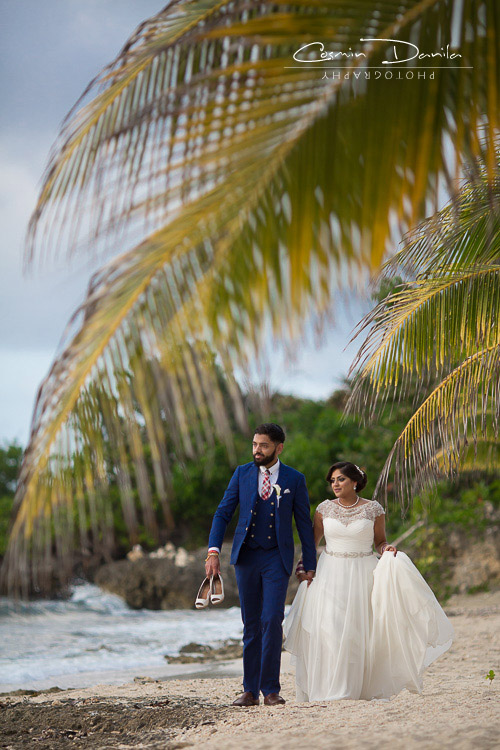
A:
(169, 578)
(94, 722)
(458, 709)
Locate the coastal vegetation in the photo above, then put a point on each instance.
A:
(11, 456)
(318, 434)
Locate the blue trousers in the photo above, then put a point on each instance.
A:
(262, 583)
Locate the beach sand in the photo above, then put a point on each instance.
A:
(458, 709)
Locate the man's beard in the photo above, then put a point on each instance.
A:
(265, 459)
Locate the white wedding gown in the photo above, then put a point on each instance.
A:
(364, 628)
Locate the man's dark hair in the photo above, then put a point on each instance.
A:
(272, 430)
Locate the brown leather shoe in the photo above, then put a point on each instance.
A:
(273, 699)
(246, 699)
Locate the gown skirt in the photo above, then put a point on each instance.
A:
(366, 627)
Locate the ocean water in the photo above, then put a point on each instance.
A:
(94, 637)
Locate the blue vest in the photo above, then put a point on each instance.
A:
(262, 529)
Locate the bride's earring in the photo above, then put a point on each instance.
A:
(355, 486)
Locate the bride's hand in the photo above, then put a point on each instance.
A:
(391, 548)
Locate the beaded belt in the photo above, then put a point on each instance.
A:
(349, 554)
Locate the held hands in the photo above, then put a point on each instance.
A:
(301, 574)
(306, 576)
(309, 577)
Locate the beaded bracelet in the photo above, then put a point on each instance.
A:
(211, 554)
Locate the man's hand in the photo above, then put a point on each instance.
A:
(212, 565)
(309, 577)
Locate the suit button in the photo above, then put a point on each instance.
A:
(272, 503)
(272, 514)
(268, 537)
(253, 524)
(252, 535)
(246, 528)
(270, 526)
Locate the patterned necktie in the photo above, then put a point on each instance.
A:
(266, 485)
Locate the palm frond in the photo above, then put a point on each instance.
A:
(202, 90)
(422, 331)
(140, 356)
(437, 327)
(433, 442)
(148, 320)
(245, 188)
(479, 458)
(464, 233)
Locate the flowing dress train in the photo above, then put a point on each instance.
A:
(364, 628)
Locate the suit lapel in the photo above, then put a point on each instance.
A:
(254, 482)
(281, 480)
(282, 475)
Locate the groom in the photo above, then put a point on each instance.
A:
(269, 493)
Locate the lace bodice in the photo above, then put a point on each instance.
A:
(349, 532)
(331, 509)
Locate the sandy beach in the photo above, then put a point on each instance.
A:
(458, 709)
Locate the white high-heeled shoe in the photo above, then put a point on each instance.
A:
(216, 590)
(203, 596)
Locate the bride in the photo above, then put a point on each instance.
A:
(363, 627)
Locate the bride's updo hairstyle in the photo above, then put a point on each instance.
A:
(349, 470)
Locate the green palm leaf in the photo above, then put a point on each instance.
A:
(249, 191)
(466, 232)
(423, 330)
(444, 326)
(442, 425)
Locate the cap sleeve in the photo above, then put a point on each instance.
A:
(322, 507)
(378, 510)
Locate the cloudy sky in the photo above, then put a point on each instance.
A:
(49, 51)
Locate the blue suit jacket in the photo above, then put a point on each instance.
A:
(243, 489)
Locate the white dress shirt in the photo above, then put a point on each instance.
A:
(273, 478)
(273, 475)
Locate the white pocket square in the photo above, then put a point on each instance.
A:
(285, 491)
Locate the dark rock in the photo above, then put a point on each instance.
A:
(106, 722)
(160, 583)
(197, 653)
(193, 648)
